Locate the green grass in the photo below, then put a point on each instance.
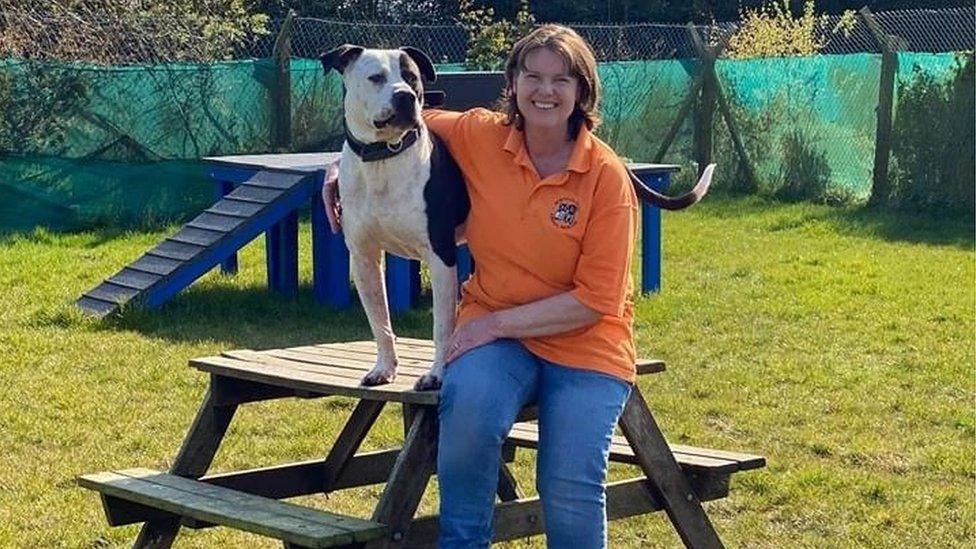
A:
(837, 343)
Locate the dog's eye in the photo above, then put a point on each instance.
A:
(377, 78)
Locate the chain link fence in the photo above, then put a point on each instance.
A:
(140, 37)
(948, 30)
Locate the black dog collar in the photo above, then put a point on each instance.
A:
(381, 150)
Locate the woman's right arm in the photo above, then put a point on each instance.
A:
(441, 122)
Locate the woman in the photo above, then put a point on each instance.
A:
(547, 317)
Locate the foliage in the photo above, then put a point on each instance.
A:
(697, 11)
(933, 141)
(489, 41)
(127, 31)
(772, 30)
(805, 173)
(36, 104)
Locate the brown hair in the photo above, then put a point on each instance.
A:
(581, 62)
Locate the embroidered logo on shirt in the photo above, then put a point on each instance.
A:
(564, 213)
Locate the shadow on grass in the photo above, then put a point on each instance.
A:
(258, 319)
(96, 236)
(955, 230)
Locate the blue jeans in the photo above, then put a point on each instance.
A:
(482, 392)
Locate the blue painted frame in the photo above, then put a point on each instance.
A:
(651, 252)
(286, 207)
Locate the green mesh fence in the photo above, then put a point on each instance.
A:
(806, 122)
(82, 145)
(640, 101)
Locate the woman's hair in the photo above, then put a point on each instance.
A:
(581, 63)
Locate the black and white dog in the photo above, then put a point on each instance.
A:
(403, 193)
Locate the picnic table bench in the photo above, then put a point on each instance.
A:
(676, 478)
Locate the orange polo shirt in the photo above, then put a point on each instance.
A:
(533, 238)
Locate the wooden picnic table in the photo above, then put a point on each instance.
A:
(675, 478)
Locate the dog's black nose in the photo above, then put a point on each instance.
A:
(404, 107)
(404, 100)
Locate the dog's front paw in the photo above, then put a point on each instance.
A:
(379, 375)
(428, 382)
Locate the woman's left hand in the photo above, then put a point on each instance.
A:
(475, 333)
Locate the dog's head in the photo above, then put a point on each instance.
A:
(384, 89)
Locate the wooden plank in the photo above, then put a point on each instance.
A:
(746, 462)
(215, 222)
(328, 523)
(308, 381)
(199, 237)
(359, 362)
(297, 163)
(176, 250)
(203, 438)
(213, 504)
(193, 459)
(278, 482)
(274, 180)
(523, 517)
(353, 373)
(106, 291)
(527, 435)
(369, 347)
(423, 349)
(96, 306)
(408, 480)
(304, 478)
(236, 208)
(250, 193)
(156, 265)
(229, 391)
(667, 479)
(137, 280)
(119, 512)
(418, 353)
(281, 87)
(350, 438)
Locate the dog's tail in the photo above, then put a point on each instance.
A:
(674, 203)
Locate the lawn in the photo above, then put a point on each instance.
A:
(839, 344)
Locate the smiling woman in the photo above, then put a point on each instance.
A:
(547, 316)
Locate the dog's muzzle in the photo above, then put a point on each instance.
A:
(404, 109)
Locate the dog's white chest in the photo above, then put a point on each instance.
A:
(383, 204)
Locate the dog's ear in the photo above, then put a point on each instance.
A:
(340, 58)
(423, 62)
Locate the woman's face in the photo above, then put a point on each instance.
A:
(545, 91)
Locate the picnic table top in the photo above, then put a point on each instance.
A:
(310, 163)
(337, 368)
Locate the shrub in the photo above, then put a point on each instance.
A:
(933, 142)
(773, 31)
(805, 173)
(489, 41)
(124, 31)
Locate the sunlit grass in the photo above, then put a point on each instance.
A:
(837, 343)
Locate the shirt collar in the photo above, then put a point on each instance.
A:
(579, 160)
